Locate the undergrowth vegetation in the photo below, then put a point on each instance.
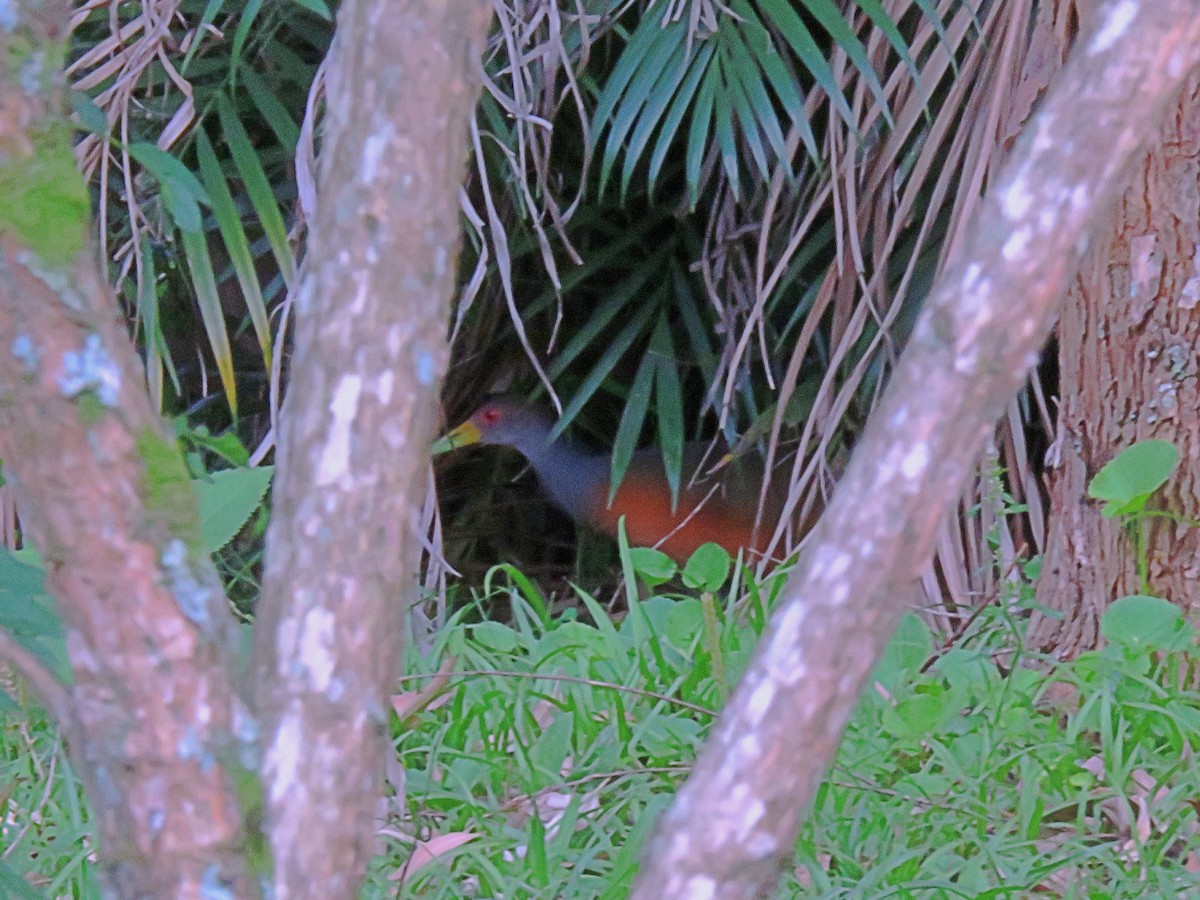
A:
(971, 769)
(533, 756)
(668, 250)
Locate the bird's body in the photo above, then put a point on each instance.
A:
(721, 510)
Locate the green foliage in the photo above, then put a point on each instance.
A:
(539, 766)
(733, 82)
(43, 199)
(227, 499)
(212, 175)
(958, 775)
(1141, 622)
(1128, 480)
(707, 569)
(223, 501)
(29, 614)
(48, 834)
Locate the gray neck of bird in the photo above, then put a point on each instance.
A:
(569, 472)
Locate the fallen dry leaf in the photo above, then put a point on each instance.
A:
(425, 852)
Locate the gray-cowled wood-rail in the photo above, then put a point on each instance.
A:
(720, 509)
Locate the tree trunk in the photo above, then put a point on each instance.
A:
(734, 824)
(165, 746)
(1128, 354)
(152, 721)
(372, 311)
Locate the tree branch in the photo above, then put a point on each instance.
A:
(105, 496)
(734, 824)
(371, 309)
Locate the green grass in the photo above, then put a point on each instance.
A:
(536, 764)
(46, 831)
(968, 771)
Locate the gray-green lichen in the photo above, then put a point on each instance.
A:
(192, 595)
(91, 368)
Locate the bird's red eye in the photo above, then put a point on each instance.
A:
(490, 416)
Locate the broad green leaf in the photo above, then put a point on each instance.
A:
(685, 622)
(227, 445)
(91, 116)
(227, 499)
(21, 587)
(917, 716)
(1143, 621)
(911, 645)
(29, 613)
(707, 568)
(495, 635)
(1133, 475)
(551, 748)
(15, 887)
(969, 674)
(652, 566)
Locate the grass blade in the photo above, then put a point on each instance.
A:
(230, 225)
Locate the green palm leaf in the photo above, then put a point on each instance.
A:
(230, 225)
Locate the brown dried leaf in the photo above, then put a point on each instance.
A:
(425, 852)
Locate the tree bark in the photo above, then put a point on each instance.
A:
(372, 309)
(152, 720)
(734, 824)
(1128, 341)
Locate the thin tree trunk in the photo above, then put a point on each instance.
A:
(1128, 342)
(152, 716)
(372, 309)
(734, 824)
